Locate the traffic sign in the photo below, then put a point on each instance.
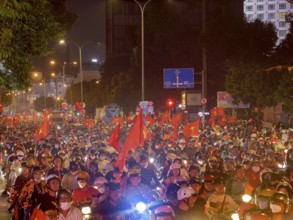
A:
(179, 78)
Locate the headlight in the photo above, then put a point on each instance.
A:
(185, 162)
(140, 206)
(86, 210)
(246, 198)
(281, 165)
(235, 216)
(19, 170)
(58, 127)
(152, 160)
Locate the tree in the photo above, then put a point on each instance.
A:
(260, 87)
(27, 27)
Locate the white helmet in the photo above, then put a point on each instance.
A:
(185, 192)
(100, 180)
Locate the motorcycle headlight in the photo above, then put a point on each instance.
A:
(235, 216)
(140, 206)
(246, 198)
(86, 210)
(152, 160)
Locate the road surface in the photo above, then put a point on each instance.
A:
(4, 214)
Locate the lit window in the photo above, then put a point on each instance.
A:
(282, 15)
(282, 33)
(271, 7)
(282, 6)
(260, 16)
(249, 8)
(260, 7)
(271, 15)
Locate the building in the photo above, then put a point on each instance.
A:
(273, 11)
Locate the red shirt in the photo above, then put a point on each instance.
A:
(81, 195)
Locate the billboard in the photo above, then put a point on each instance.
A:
(181, 78)
(225, 100)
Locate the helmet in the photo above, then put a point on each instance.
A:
(209, 178)
(100, 180)
(36, 169)
(164, 210)
(263, 172)
(212, 159)
(62, 193)
(171, 192)
(185, 192)
(134, 172)
(51, 177)
(82, 175)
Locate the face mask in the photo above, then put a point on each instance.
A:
(93, 157)
(56, 146)
(65, 205)
(102, 190)
(275, 208)
(255, 169)
(102, 157)
(82, 185)
(263, 205)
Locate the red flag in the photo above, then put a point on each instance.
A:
(114, 139)
(43, 132)
(164, 118)
(147, 134)
(134, 139)
(191, 129)
(223, 121)
(116, 119)
(217, 111)
(149, 120)
(175, 121)
(232, 120)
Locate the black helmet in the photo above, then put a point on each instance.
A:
(171, 192)
(36, 169)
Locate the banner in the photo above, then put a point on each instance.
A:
(225, 100)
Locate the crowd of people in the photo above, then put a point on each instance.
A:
(235, 171)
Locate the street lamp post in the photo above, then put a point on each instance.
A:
(142, 8)
(80, 48)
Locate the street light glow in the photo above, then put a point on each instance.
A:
(53, 62)
(53, 74)
(62, 41)
(94, 60)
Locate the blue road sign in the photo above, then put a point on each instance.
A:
(179, 78)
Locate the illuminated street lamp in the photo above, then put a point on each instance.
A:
(80, 48)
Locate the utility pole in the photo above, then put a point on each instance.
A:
(204, 62)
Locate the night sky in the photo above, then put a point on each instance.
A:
(90, 26)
